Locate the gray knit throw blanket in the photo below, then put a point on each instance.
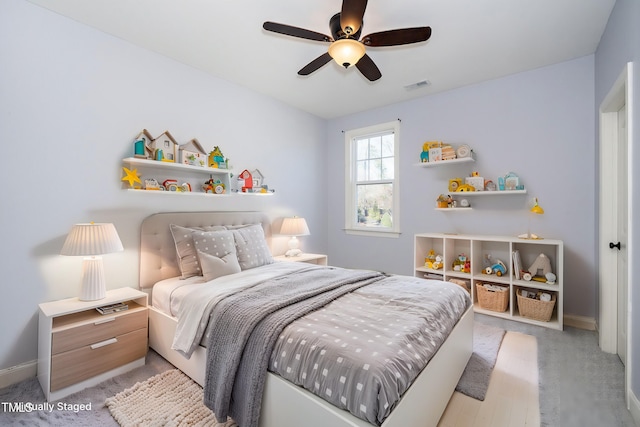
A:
(247, 325)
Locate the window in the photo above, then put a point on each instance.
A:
(372, 180)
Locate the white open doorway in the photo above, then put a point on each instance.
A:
(614, 219)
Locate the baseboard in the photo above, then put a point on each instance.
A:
(580, 322)
(18, 373)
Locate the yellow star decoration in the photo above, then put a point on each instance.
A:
(131, 176)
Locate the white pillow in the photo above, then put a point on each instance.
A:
(216, 252)
(252, 247)
(214, 267)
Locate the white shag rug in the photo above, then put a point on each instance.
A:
(167, 399)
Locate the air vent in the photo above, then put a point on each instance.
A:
(418, 85)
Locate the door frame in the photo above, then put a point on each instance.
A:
(620, 94)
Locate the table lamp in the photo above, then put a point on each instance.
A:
(92, 240)
(294, 227)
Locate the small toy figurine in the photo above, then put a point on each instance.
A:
(170, 184)
(462, 264)
(131, 176)
(454, 183)
(215, 186)
(498, 268)
(465, 188)
(443, 201)
(185, 187)
(430, 258)
(152, 184)
(424, 156)
(433, 261)
(541, 266)
(437, 264)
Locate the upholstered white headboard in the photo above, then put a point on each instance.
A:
(158, 259)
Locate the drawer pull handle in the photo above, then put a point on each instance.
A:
(104, 343)
(100, 322)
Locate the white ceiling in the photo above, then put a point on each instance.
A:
(472, 41)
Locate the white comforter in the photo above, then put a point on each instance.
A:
(197, 297)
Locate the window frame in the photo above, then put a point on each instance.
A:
(351, 222)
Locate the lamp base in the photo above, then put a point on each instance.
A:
(93, 283)
(293, 252)
(294, 244)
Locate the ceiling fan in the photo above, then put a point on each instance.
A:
(346, 47)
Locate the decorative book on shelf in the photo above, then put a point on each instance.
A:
(112, 308)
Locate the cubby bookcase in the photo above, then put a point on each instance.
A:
(480, 249)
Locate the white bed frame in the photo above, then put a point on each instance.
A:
(285, 404)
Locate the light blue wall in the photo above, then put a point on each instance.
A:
(71, 101)
(621, 44)
(538, 124)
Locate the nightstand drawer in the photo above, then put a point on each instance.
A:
(76, 365)
(97, 329)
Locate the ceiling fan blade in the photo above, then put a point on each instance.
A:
(315, 64)
(351, 15)
(289, 30)
(397, 37)
(368, 68)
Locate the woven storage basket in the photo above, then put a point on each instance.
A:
(492, 300)
(536, 309)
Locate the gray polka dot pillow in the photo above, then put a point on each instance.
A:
(185, 249)
(216, 252)
(251, 247)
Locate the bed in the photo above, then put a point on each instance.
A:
(285, 404)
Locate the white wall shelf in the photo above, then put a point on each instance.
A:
(178, 193)
(477, 247)
(195, 176)
(171, 166)
(487, 193)
(447, 162)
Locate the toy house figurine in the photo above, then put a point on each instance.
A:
(216, 159)
(142, 145)
(245, 180)
(258, 178)
(164, 148)
(192, 153)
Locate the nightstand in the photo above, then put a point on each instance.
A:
(78, 347)
(308, 258)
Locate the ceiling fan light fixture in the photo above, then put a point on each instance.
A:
(346, 52)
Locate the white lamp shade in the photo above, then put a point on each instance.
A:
(295, 226)
(92, 239)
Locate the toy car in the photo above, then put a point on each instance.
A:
(170, 185)
(498, 268)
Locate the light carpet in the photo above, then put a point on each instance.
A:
(168, 399)
(486, 344)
